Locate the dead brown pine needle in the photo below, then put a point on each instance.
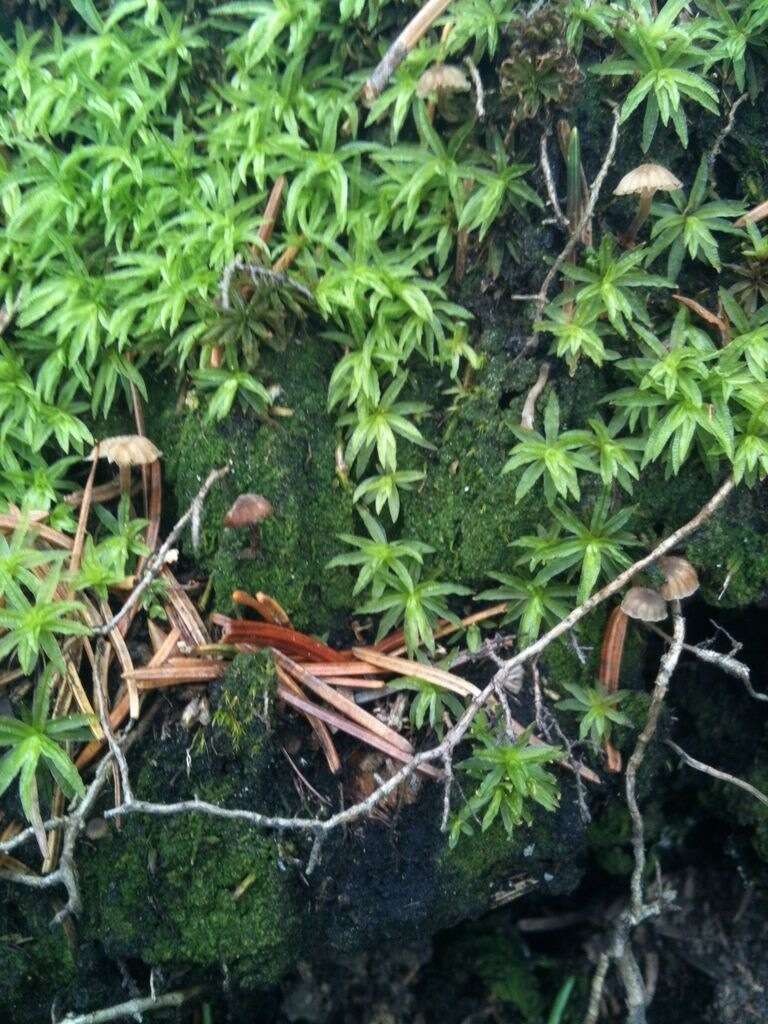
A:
(319, 727)
(264, 605)
(360, 733)
(406, 667)
(395, 642)
(342, 704)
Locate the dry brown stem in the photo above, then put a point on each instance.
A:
(419, 24)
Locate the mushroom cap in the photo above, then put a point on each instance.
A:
(682, 579)
(126, 450)
(647, 178)
(442, 78)
(644, 604)
(248, 510)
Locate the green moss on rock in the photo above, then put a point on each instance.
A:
(164, 892)
(492, 867)
(38, 962)
(290, 462)
(162, 889)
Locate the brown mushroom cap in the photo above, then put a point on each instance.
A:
(126, 450)
(682, 579)
(442, 78)
(644, 604)
(248, 510)
(647, 178)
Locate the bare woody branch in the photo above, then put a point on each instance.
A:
(726, 662)
(549, 181)
(541, 297)
(667, 667)
(157, 561)
(135, 1007)
(716, 773)
(586, 216)
(402, 46)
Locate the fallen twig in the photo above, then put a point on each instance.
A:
(156, 562)
(725, 131)
(717, 773)
(549, 181)
(529, 406)
(730, 665)
(668, 665)
(542, 295)
(477, 82)
(639, 908)
(419, 24)
(135, 1007)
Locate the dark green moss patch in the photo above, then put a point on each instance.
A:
(290, 462)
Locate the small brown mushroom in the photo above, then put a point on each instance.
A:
(97, 828)
(644, 604)
(645, 180)
(249, 511)
(682, 579)
(126, 450)
(197, 712)
(442, 79)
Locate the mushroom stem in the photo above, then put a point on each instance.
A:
(642, 215)
(125, 481)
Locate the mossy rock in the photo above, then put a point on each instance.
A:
(163, 889)
(164, 892)
(38, 961)
(290, 462)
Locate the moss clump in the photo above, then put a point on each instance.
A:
(545, 855)
(466, 508)
(499, 961)
(292, 464)
(38, 961)
(243, 704)
(163, 889)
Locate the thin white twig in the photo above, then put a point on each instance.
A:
(157, 561)
(549, 180)
(585, 218)
(666, 668)
(596, 989)
(725, 132)
(529, 406)
(420, 23)
(730, 665)
(134, 1006)
(717, 773)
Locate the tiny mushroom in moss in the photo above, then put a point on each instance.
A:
(645, 180)
(440, 81)
(249, 511)
(644, 604)
(126, 450)
(681, 578)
